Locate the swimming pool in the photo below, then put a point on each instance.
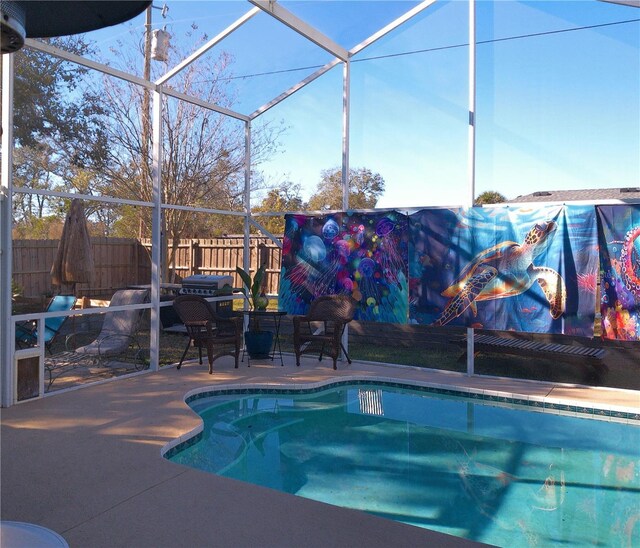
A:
(486, 471)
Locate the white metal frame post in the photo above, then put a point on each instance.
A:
(156, 231)
(6, 188)
(346, 116)
(472, 151)
(246, 253)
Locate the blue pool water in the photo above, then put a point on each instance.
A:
(497, 474)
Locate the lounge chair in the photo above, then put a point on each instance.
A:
(27, 332)
(117, 336)
(335, 311)
(208, 329)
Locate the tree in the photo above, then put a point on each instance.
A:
(489, 197)
(50, 102)
(365, 187)
(57, 127)
(48, 227)
(285, 197)
(203, 151)
(35, 168)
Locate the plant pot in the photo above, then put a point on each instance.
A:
(258, 343)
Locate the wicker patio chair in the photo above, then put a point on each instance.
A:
(208, 329)
(335, 311)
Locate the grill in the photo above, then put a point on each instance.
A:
(210, 286)
(207, 285)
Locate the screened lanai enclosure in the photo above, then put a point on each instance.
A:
(348, 146)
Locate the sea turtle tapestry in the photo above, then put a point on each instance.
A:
(505, 269)
(619, 234)
(364, 255)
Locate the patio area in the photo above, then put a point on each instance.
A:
(87, 463)
(311, 97)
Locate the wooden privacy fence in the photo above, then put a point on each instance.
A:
(221, 256)
(118, 262)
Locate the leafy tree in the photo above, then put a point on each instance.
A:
(489, 197)
(48, 227)
(285, 197)
(51, 104)
(365, 187)
(57, 127)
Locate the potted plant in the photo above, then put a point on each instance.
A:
(257, 341)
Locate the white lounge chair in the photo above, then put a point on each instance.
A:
(118, 334)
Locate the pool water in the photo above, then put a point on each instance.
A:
(495, 474)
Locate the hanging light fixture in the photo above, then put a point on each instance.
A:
(20, 19)
(159, 44)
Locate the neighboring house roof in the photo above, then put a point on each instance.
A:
(596, 194)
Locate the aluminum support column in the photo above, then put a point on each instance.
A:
(6, 189)
(246, 252)
(346, 115)
(471, 162)
(156, 231)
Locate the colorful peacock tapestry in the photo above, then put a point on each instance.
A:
(619, 235)
(364, 255)
(505, 269)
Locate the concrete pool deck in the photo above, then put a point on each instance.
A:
(86, 463)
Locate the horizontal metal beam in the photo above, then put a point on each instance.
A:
(206, 47)
(298, 25)
(204, 210)
(68, 56)
(294, 88)
(73, 195)
(405, 210)
(79, 312)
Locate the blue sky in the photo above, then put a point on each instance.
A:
(557, 109)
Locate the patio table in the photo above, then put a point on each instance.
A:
(275, 316)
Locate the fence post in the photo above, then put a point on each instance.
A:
(195, 257)
(263, 260)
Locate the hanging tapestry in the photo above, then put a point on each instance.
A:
(619, 234)
(364, 255)
(505, 269)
